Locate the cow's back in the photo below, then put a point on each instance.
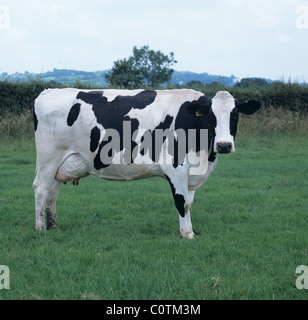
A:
(64, 118)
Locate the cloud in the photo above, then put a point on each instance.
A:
(267, 22)
(73, 21)
(284, 38)
(14, 35)
(235, 3)
(220, 37)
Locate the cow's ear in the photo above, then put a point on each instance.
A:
(198, 109)
(248, 107)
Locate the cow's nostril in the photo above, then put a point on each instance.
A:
(224, 147)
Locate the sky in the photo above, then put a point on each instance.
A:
(244, 38)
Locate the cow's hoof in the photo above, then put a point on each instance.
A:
(52, 226)
(187, 235)
(39, 227)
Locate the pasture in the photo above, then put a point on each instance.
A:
(119, 240)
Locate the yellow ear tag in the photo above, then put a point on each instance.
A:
(199, 114)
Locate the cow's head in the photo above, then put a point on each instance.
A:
(222, 113)
(224, 117)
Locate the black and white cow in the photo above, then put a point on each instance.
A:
(131, 134)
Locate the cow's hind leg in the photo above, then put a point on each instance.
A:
(43, 183)
(51, 205)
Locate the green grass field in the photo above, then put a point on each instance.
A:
(119, 240)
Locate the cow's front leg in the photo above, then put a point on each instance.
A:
(186, 230)
(183, 199)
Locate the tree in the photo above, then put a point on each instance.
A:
(145, 68)
(124, 75)
(194, 84)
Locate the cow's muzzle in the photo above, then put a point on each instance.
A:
(224, 147)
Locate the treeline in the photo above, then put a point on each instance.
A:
(290, 96)
(17, 97)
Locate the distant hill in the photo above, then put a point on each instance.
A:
(97, 78)
(64, 76)
(182, 77)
